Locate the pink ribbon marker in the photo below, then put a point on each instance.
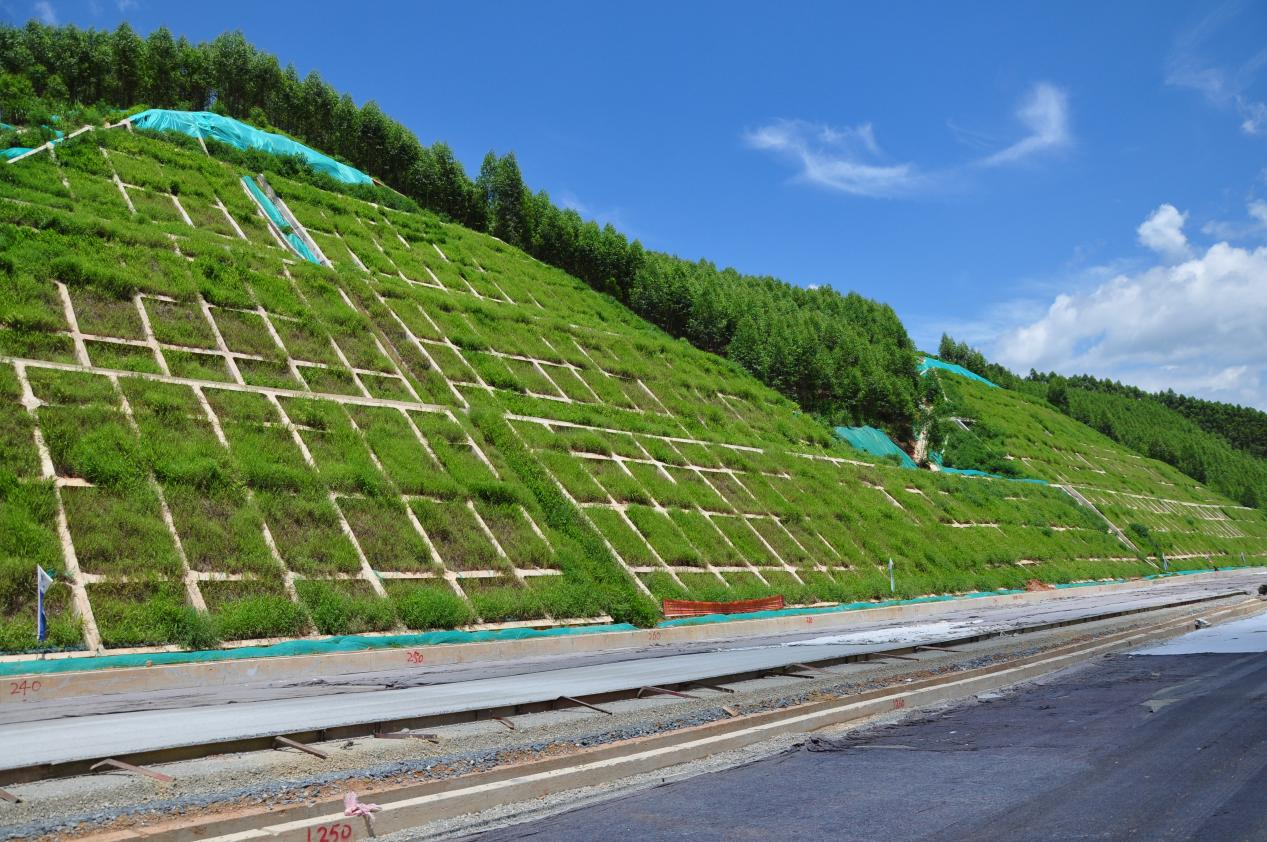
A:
(352, 807)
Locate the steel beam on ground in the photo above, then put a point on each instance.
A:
(716, 687)
(406, 735)
(136, 770)
(809, 668)
(666, 692)
(287, 741)
(573, 701)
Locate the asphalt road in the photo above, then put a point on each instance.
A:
(94, 727)
(1168, 743)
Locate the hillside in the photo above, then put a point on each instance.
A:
(1217, 443)
(209, 438)
(1178, 516)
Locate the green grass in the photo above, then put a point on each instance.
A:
(456, 535)
(345, 607)
(422, 606)
(180, 323)
(387, 538)
(154, 613)
(307, 533)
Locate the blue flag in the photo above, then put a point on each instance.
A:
(42, 582)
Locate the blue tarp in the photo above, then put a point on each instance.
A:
(933, 362)
(205, 124)
(873, 441)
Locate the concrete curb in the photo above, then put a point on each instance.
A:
(281, 668)
(418, 804)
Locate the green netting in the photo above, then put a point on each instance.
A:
(873, 441)
(933, 362)
(935, 458)
(345, 643)
(280, 221)
(205, 124)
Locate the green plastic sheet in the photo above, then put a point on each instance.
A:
(932, 362)
(205, 124)
(275, 215)
(873, 441)
(935, 457)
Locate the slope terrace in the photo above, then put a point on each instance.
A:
(210, 439)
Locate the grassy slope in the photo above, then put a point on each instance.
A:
(514, 447)
(1180, 516)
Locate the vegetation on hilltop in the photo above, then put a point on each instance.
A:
(845, 358)
(1214, 443)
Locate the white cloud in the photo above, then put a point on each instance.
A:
(1226, 86)
(850, 159)
(603, 216)
(1163, 233)
(1255, 227)
(570, 200)
(44, 10)
(1045, 113)
(127, 5)
(1198, 326)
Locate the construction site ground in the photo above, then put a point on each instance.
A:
(222, 784)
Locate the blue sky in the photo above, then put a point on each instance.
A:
(1077, 186)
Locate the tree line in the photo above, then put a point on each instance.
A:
(842, 357)
(1212, 442)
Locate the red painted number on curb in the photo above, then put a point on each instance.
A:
(23, 687)
(898, 704)
(654, 635)
(337, 832)
(414, 657)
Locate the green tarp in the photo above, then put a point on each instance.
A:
(275, 215)
(205, 124)
(873, 441)
(935, 458)
(933, 362)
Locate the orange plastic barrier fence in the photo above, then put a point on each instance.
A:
(687, 608)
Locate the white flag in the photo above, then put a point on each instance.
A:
(42, 583)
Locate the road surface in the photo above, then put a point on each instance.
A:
(1168, 743)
